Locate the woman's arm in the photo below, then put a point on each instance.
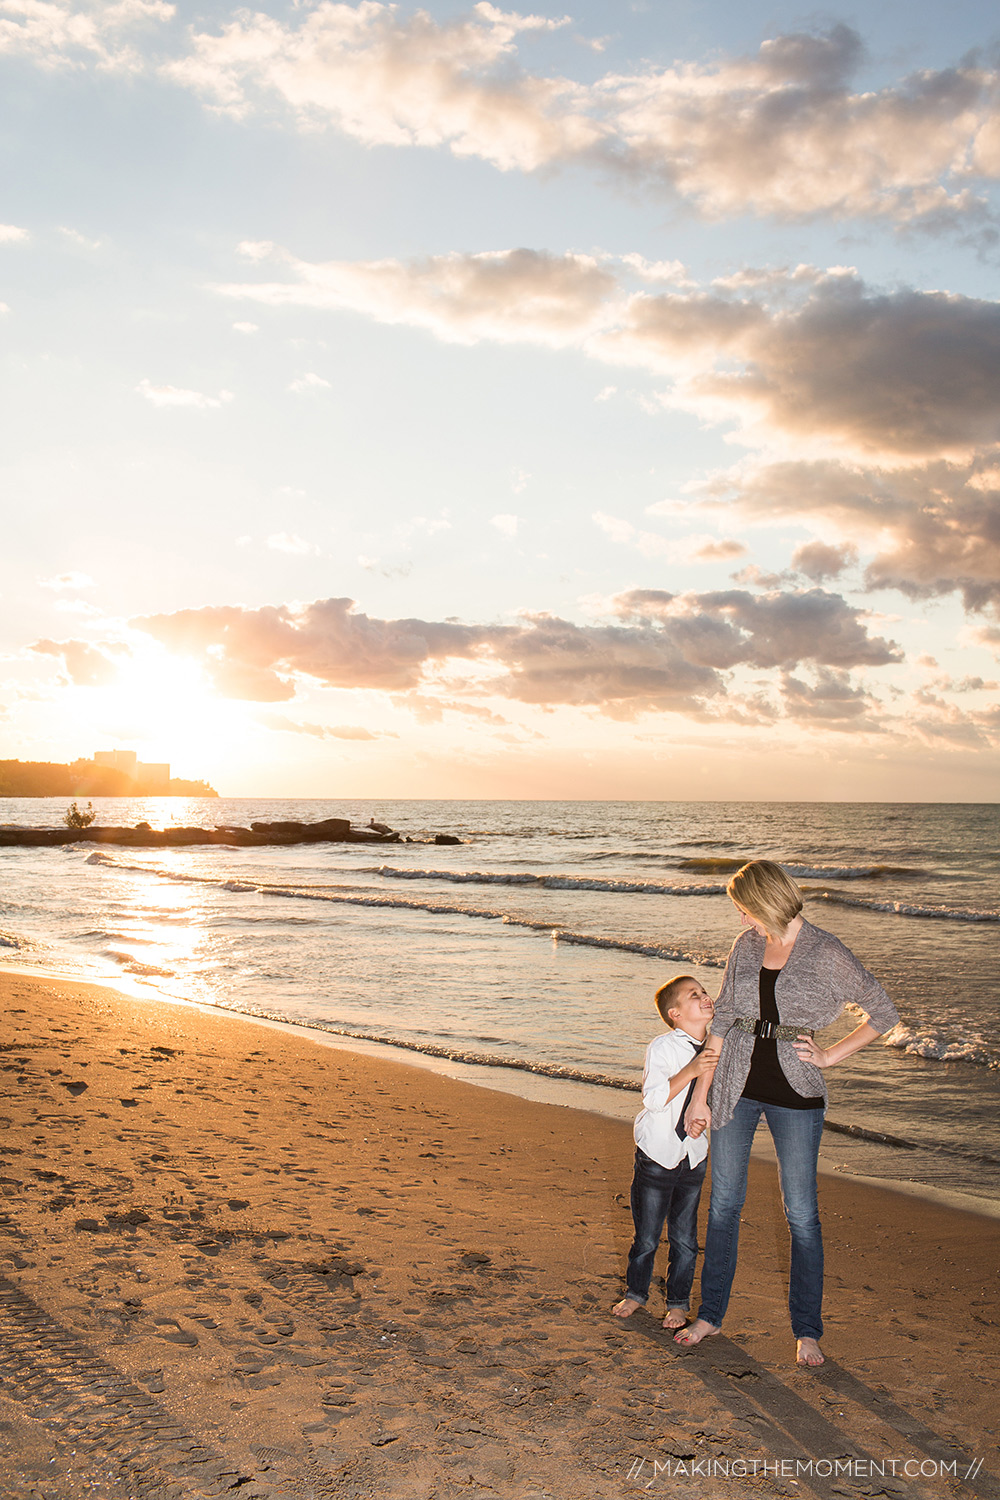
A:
(828, 1057)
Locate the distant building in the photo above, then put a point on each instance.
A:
(153, 778)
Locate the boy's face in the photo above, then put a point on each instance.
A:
(693, 1006)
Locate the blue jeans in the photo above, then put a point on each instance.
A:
(796, 1134)
(664, 1195)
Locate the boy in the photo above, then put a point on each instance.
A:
(669, 1165)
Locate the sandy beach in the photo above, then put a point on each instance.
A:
(234, 1261)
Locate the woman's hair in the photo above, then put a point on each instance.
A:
(767, 894)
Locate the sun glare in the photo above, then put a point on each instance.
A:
(163, 702)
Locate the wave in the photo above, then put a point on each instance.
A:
(937, 1148)
(549, 882)
(851, 872)
(624, 886)
(712, 865)
(557, 934)
(133, 966)
(939, 1046)
(11, 940)
(437, 908)
(908, 909)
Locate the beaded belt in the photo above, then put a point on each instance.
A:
(770, 1029)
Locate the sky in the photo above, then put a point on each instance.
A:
(459, 402)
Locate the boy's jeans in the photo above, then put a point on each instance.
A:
(796, 1134)
(664, 1195)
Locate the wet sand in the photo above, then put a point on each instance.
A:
(233, 1261)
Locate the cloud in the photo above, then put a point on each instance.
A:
(55, 34)
(931, 529)
(689, 549)
(820, 561)
(506, 524)
(325, 731)
(832, 700)
(778, 629)
(67, 581)
(428, 710)
(934, 720)
(386, 79)
(624, 534)
(172, 395)
(375, 565)
(11, 234)
(81, 241)
(815, 359)
(284, 541)
(85, 665)
(782, 133)
(712, 549)
(989, 636)
(309, 382)
(507, 295)
(664, 652)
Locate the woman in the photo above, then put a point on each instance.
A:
(784, 980)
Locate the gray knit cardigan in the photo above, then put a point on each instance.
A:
(819, 979)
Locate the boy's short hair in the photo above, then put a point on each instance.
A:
(665, 995)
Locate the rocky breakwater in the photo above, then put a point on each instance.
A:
(143, 836)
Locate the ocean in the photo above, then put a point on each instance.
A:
(536, 944)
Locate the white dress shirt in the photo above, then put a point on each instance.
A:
(656, 1123)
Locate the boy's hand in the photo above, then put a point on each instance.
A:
(697, 1119)
(705, 1062)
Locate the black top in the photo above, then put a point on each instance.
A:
(766, 1083)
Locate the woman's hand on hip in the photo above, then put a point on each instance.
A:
(810, 1053)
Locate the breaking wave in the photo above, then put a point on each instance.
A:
(549, 882)
(909, 909)
(940, 1046)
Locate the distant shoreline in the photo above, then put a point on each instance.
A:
(83, 778)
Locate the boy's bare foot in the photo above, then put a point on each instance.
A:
(808, 1352)
(676, 1317)
(699, 1330)
(626, 1307)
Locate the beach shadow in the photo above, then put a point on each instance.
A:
(783, 1422)
(945, 1450)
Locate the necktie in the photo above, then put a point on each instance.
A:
(679, 1127)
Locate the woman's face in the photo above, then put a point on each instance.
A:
(746, 920)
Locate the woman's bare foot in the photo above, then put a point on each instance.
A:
(808, 1352)
(699, 1330)
(676, 1317)
(626, 1307)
